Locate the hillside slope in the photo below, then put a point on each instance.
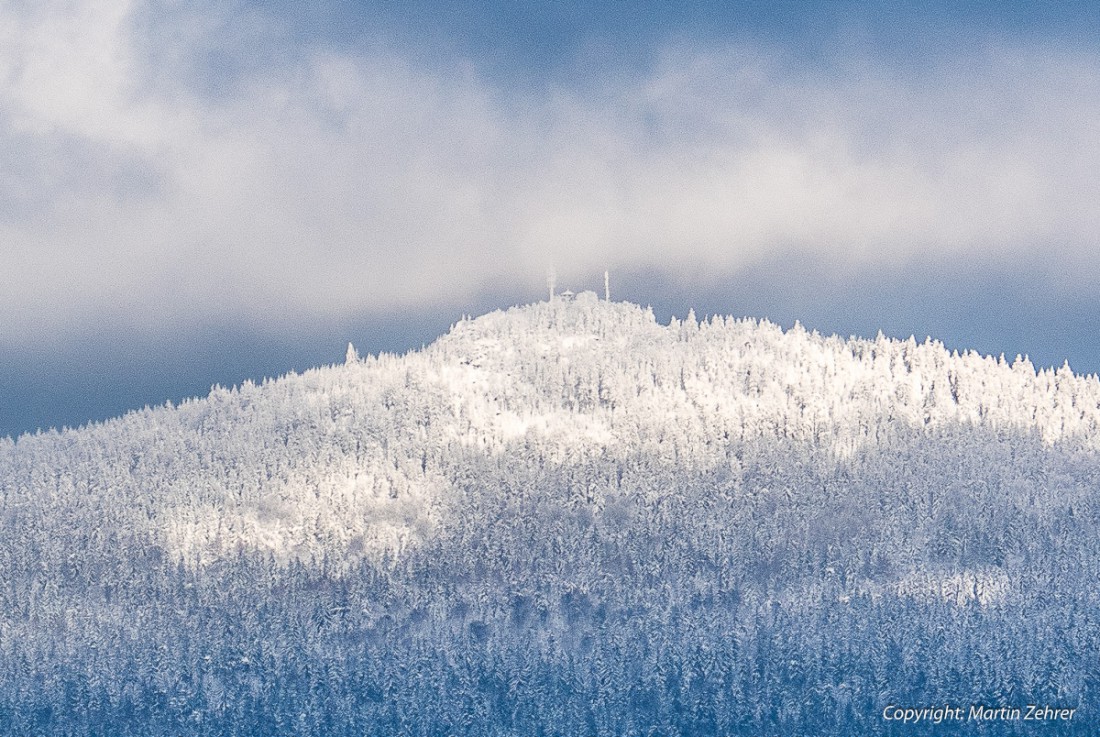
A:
(564, 518)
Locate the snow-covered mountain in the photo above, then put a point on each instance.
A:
(564, 518)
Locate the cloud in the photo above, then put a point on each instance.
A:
(157, 182)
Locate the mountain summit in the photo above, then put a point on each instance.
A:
(564, 518)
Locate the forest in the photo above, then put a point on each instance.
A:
(565, 519)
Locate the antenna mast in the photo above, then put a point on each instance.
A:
(606, 286)
(550, 283)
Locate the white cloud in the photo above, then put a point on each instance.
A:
(344, 182)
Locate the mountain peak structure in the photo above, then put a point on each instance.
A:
(563, 518)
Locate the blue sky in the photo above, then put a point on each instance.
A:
(196, 193)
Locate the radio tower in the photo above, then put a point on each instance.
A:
(606, 287)
(550, 282)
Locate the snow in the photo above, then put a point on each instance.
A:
(566, 493)
(353, 459)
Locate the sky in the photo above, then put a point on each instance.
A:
(195, 193)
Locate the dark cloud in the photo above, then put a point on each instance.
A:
(102, 374)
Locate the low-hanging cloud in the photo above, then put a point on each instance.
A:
(337, 182)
